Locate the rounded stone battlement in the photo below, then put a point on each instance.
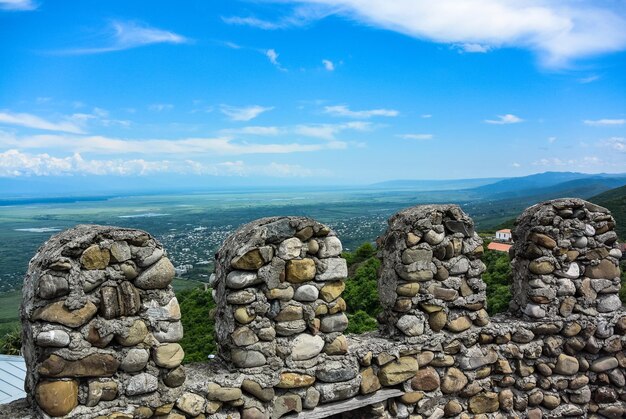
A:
(430, 279)
(100, 323)
(565, 261)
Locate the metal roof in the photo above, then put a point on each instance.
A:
(12, 375)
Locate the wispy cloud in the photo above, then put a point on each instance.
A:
(343, 110)
(604, 122)
(552, 140)
(31, 121)
(615, 143)
(589, 79)
(584, 162)
(299, 16)
(18, 5)
(329, 131)
(328, 65)
(160, 107)
(14, 163)
(252, 21)
(419, 137)
(245, 113)
(505, 119)
(272, 55)
(557, 31)
(124, 35)
(186, 146)
(255, 130)
(474, 48)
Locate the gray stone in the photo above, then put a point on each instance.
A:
(331, 269)
(244, 336)
(168, 331)
(459, 266)
(306, 293)
(411, 325)
(290, 249)
(52, 286)
(157, 276)
(533, 310)
(290, 328)
(609, 303)
(566, 287)
(53, 338)
(572, 272)
(135, 360)
(604, 364)
(434, 238)
(241, 297)
(241, 279)
(329, 247)
(247, 359)
(120, 251)
(141, 384)
(419, 255)
(334, 323)
(146, 256)
(330, 392)
(334, 371)
(306, 346)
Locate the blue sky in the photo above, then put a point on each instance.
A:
(311, 91)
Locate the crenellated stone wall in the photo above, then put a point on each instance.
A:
(280, 318)
(430, 277)
(100, 324)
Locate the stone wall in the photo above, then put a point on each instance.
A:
(100, 324)
(279, 323)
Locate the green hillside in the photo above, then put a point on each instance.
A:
(615, 200)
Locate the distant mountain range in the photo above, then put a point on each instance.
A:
(527, 188)
(541, 185)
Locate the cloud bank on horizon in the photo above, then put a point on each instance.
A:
(343, 91)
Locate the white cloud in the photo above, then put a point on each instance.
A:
(516, 165)
(419, 137)
(272, 55)
(558, 31)
(18, 5)
(245, 113)
(328, 65)
(129, 34)
(551, 140)
(616, 143)
(255, 130)
(505, 119)
(251, 21)
(160, 107)
(584, 162)
(300, 16)
(186, 146)
(329, 131)
(590, 79)
(474, 48)
(427, 116)
(31, 121)
(343, 110)
(14, 163)
(604, 122)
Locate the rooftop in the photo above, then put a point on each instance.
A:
(12, 374)
(499, 247)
